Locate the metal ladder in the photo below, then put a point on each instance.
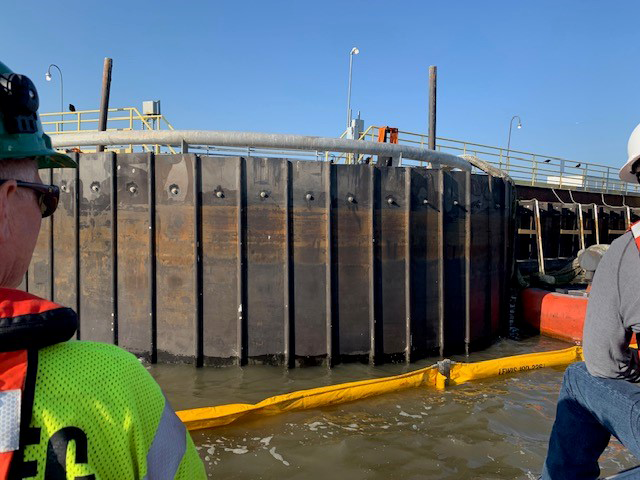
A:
(580, 230)
(536, 228)
(627, 221)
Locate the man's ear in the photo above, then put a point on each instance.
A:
(7, 191)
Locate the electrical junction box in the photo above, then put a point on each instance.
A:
(355, 129)
(151, 107)
(357, 124)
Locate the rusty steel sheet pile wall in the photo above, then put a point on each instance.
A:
(240, 260)
(67, 236)
(98, 262)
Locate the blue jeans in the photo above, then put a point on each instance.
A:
(590, 410)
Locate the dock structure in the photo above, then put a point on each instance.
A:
(553, 225)
(240, 259)
(236, 248)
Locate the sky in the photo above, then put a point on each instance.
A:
(569, 69)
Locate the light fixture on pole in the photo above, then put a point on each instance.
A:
(47, 77)
(354, 51)
(509, 140)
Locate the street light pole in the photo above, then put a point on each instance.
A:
(509, 140)
(354, 51)
(47, 76)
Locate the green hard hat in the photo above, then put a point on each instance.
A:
(21, 133)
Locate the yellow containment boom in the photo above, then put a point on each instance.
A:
(444, 373)
(463, 372)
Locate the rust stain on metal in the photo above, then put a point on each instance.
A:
(301, 261)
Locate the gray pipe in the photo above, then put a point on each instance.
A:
(258, 140)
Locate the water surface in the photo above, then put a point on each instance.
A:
(495, 428)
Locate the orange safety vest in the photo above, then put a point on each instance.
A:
(27, 323)
(13, 373)
(635, 230)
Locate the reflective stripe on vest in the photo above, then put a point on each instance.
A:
(13, 372)
(168, 447)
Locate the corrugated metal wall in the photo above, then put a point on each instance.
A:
(226, 260)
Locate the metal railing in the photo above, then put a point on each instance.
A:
(118, 120)
(525, 168)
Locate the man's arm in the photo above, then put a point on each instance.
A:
(613, 312)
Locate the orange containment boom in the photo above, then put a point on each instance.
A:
(554, 314)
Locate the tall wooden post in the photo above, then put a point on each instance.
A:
(104, 99)
(433, 77)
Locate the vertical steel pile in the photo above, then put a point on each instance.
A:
(227, 260)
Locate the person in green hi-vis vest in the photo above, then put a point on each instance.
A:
(68, 409)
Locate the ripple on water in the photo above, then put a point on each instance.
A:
(491, 429)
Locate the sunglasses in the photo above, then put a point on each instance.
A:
(48, 195)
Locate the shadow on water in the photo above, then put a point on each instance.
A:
(491, 429)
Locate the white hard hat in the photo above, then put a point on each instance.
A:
(633, 150)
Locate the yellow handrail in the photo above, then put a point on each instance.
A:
(348, 156)
(124, 118)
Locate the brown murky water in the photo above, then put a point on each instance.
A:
(491, 429)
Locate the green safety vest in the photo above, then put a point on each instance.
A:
(96, 413)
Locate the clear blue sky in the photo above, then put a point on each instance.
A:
(569, 68)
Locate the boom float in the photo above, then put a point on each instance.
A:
(439, 376)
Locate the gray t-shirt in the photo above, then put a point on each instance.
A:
(613, 313)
